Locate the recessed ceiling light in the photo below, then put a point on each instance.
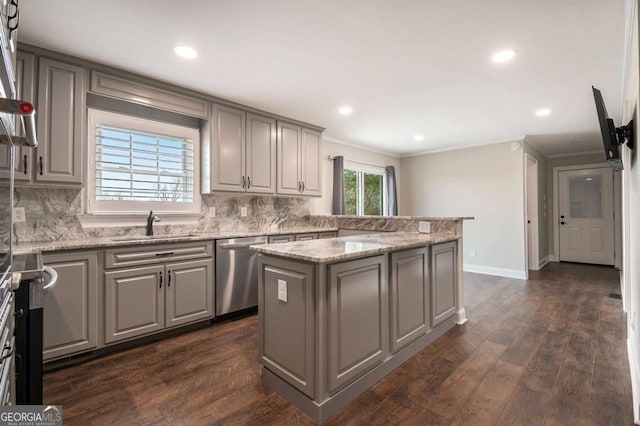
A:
(543, 112)
(185, 52)
(418, 138)
(345, 110)
(503, 56)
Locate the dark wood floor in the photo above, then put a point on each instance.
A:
(550, 350)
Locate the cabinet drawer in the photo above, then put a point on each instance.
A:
(156, 253)
(281, 238)
(306, 237)
(331, 234)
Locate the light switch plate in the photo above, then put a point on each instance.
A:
(18, 215)
(282, 291)
(243, 212)
(212, 212)
(424, 227)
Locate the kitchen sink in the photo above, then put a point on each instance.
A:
(151, 237)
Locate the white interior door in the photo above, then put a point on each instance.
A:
(585, 199)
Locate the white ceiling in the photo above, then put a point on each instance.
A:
(406, 67)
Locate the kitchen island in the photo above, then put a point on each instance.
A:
(337, 315)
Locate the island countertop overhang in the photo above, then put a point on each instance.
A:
(352, 247)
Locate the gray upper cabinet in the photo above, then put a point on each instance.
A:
(443, 282)
(298, 160)
(71, 307)
(242, 151)
(310, 162)
(261, 154)
(60, 115)
(23, 163)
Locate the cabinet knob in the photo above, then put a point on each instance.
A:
(24, 164)
(40, 166)
(168, 278)
(160, 279)
(248, 182)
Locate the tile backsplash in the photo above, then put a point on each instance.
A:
(53, 214)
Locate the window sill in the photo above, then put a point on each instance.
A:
(119, 220)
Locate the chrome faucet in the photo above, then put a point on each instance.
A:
(150, 219)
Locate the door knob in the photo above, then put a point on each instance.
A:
(562, 223)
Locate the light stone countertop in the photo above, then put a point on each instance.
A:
(370, 217)
(352, 247)
(132, 240)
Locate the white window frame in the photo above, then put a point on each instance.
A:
(100, 117)
(370, 169)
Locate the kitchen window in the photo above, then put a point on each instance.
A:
(137, 165)
(364, 189)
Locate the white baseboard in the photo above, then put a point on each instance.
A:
(552, 258)
(490, 270)
(635, 375)
(544, 261)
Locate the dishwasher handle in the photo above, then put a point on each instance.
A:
(231, 246)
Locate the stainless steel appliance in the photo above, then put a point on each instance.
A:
(236, 274)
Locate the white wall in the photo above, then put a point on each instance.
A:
(486, 182)
(331, 147)
(631, 206)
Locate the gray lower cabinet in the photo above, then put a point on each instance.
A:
(409, 296)
(286, 341)
(281, 238)
(144, 300)
(307, 236)
(330, 234)
(71, 307)
(134, 302)
(189, 292)
(358, 312)
(61, 122)
(443, 282)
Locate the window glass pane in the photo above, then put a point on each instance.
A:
(141, 166)
(372, 194)
(351, 192)
(584, 197)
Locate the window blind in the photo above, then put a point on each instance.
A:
(139, 166)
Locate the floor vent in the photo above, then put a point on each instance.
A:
(64, 362)
(615, 296)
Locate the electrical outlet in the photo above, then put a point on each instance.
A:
(424, 227)
(212, 212)
(282, 291)
(243, 212)
(473, 253)
(18, 215)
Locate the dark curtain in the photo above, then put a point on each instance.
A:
(392, 197)
(337, 203)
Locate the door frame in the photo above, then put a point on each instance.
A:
(556, 204)
(531, 248)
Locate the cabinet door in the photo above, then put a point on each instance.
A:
(409, 296)
(443, 282)
(228, 149)
(189, 292)
(289, 179)
(134, 302)
(311, 179)
(60, 114)
(24, 91)
(71, 307)
(261, 154)
(286, 324)
(358, 324)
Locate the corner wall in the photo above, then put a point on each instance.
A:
(486, 182)
(543, 203)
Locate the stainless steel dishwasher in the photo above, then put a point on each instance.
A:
(236, 274)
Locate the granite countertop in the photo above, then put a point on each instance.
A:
(132, 240)
(351, 247)
(426, 218)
